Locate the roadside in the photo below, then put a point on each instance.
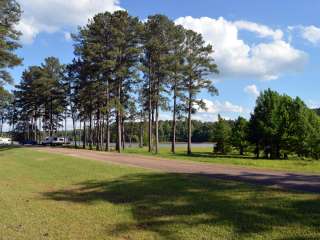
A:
(281, 179)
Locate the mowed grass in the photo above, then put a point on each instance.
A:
(203, 154)
(50, 196)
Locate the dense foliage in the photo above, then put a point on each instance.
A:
(281, 125)
(9, 36)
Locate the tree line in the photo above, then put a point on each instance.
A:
(124, 74)
(123, 70)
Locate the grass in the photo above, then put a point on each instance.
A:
(50, 196)
(202, 154)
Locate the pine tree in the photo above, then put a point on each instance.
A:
(199, 65)
(177, 52)
(156, 40)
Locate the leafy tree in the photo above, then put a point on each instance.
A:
(239, 134)
(9, 17)
(222, 136)
(283, 125)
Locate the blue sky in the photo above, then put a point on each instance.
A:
(258, 44)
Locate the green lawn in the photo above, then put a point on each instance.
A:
(49, 196)
(202, 154)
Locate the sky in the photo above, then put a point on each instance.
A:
(258, 44)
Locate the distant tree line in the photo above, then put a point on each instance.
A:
(125, 72)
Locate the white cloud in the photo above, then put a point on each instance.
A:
(313, 104)
(311, 33)
(55, 15)
(261, 30)
(221, 107)
(226, 108)
(67, 36)
(236, 59)
(252, 90)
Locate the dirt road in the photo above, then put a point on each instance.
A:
(294, 181)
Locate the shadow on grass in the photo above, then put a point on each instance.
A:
(161, 201)
(8, 147)
(211, 155)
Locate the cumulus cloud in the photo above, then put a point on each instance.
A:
(227, 109)
(311, 33)
(55, 15)
(252, 90)
(262, 30)
(221, 107)
(237, 59)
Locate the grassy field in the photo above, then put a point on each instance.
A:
(202, 154)
(49, 196)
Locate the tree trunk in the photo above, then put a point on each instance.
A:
(141, 133)
(97, 137)
(107, 133)
(65, 127)
(118, 144)
(107, 119)
(102, 140)
(40, 133)
(123, 134)
(119, 120)
(84, 134)
(189, 124)
(150, 121)
(1, 125)
(51, 118)
(278, 154)
(257, 150)
(174, 124)
(241, 150)
(90, 132)
(35, 129)
(74, 131)
(157, 129)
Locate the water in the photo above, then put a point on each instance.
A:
(163, 145)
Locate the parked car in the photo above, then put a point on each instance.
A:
(55, 141)
(5, 141)
(28, 142)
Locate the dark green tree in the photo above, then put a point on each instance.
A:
(9, 17)
(239, 134)
(222, 136)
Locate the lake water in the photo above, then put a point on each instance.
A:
(166, 145)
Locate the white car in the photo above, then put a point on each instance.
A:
(5, 141)
(55, 141)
